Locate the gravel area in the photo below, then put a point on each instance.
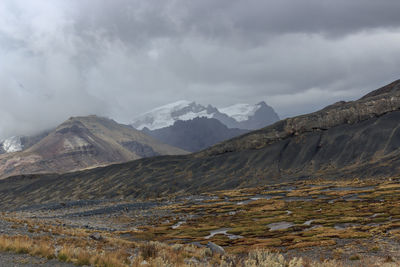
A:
(17, 260)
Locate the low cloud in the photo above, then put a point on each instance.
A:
(120, 58)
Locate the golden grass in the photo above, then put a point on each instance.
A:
(154, 254)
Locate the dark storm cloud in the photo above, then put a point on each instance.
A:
(234, 18)
(122, 57)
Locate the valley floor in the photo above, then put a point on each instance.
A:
(346, 223)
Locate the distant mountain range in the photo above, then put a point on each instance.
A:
(241, 116)
(86, 142)
(79, 143)
(195, 134)
(346, 140)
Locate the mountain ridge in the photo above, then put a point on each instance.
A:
(195, 134)
(249, 117)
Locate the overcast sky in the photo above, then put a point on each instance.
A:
(119, 58)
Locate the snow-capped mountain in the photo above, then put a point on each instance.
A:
(251, 116)
(12, 144)
(167, 115)
(243, 116)
(241, 112)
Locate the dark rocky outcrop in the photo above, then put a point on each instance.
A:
(194, 135)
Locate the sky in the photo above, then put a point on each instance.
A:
(121, 58)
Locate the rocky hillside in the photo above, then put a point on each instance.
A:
(82, 142)
(346, 140)
(194, 135)
(373, 105)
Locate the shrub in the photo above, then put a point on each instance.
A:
(149, 250)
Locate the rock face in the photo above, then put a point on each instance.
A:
(82, 142)
(194, 135)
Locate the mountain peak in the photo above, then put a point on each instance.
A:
(247, 112)
(262, 103)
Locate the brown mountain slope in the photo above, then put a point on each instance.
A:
(84, 142)
(346, 140)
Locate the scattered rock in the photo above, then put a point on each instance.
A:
(96, 237)
(191, 261)
(215, 248)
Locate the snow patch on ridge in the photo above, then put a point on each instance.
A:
(12, 144)
(240, 112)
(166, 115)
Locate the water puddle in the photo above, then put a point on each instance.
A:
(223, 231)
(374, 224)
(254, 198)
(291, 199)
(347, 188)
(353, 197)
(342, 226)
(280, 226)
(323, 197)
(175, 226)
(308, 223)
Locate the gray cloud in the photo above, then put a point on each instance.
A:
(119, 58)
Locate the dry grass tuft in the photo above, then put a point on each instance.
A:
(149, 250)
